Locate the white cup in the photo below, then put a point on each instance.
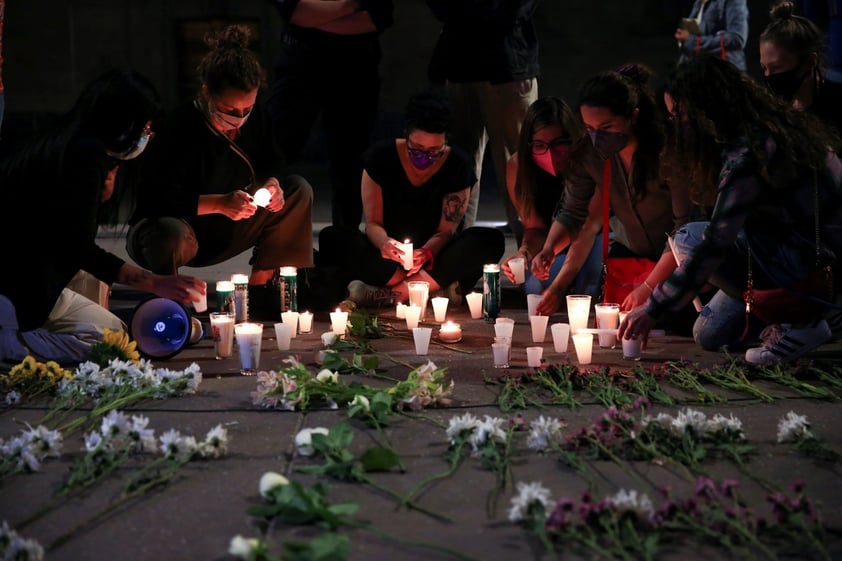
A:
(338, 322)
(283, 335)
(292, 319)
(199, 300)
(305, 322)
(222, 327)
(607, 317)
(440, 308)
(631, 349)
(539, 328)
(474, 300)
(518, 268)
(419, 292)
(532, 301)
(578, 311)
(504, 327)
(561, 336)
(421, 335)
(249, 338)
(400, 310)
(412, 316)
(500, 352)
(584, 347)
(533, 356)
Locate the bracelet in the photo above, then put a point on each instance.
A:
(647, 285)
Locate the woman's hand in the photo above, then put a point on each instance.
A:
(541, 263)
(181, 288)
(637, 325)
(276, 202)
(636, 297)
(505, 265)
(550, 303)
(392, 250)
(237, 205)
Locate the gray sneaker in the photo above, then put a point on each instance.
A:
(367, 296)
(782, 343)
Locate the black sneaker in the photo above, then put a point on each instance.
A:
(367, 296)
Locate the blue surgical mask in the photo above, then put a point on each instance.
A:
(608, 144)
(134, 150)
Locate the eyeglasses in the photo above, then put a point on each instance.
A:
(432, 154)
(541, 147)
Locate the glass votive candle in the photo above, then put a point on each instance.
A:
(504, 327)
(305, 322)
(450, 332)
(631, 349)
(338, 321)
(440, 308)
(533, 356)
(578, 311)
(584, 347)
(607, 317)
(474, 300)
(400, 310)
(539, 328)
(292, 319)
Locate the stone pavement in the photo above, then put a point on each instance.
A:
(196, 515)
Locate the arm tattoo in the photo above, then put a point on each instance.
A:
(455, 207)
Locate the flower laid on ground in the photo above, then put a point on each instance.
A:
(304, 440)
(31, 379)
(16, 548)
(26, 451)
(114, 345)
(424, 386)
(628, 525)
(795, 429)
(544, 432)
(269, 481)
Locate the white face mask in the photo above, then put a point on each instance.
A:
(134, 151)
(227, 121)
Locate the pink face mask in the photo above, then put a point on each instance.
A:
(555, 157)
(545, 161)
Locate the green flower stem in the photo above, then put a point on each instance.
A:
(387, 440)
(733, 377)
(455, 458)
(687, 379)
(414, 543)
(503, 471)
(578, 465)
(626, 466)
(408, 504)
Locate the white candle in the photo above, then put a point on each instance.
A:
(584, 347)
(607, 317)
(539, 328)
(518, 267)
(239, 278)
(305, 322)
(262, 197)
(578, 311)
(292, 319)
(474, 304)
(249, 338)
(407, 254)
(338, 321)
(413, 315)
(440, 307)
(419, 291)
(400, 311)
(450, 332)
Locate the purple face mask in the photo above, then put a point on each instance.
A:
(422, 159)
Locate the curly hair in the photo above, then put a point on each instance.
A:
(621, 91)
(543, 112)
(428, 112)
(795, 34)
(718, 106)
(230, 63)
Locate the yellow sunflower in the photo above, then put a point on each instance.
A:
(114, 344)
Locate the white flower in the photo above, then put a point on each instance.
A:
(720, 423)
(361, 401)
(12, 398)
(115, 425)
(529, 493)
(426, 371)
(304, 440)
(327, 377)
(144, 438)
(488, 430)
(243, 547)
(270, 480)
(16, 547)
(662, 419)
(93, 440)
(329, 338)
(633, 501)
(792, 428)
(543, 431)
(216, 443)
(689, 419)
(459, 424)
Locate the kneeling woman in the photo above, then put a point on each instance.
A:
(414, 188)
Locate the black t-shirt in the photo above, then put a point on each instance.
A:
(411, 212)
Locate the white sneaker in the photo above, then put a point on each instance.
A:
(782, 343)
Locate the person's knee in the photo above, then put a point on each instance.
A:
(298, 189)
(708, 333)
(162, 244)
(687, 237)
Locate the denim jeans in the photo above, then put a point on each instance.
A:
(587, 281)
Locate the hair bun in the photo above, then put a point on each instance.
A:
(782, 10)
(637, 73)
(232, 37)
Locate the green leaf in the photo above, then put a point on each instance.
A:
(379, 459)
(327, 547)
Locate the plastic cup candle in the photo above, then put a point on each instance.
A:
(222, 328)
(400, 310)
(474, 304)
(419, 291)
(631, 349)
(607, 317)
(501, 349)
(504, 327)
(412, 316)
(225, 296)
(338, 321)
(533, 356)
(578, 311)
(249, 338)
(305, 322)
(421, 336)
(532, 301)
(584, 347)
(450, 332)
(518, 268)
(561, 336)
(199, 300)
(283, 335)
(440, 307)
(262, 197)
(407, 254)
(539, 328)
(292, 319)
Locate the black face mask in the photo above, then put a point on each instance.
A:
(785, 84)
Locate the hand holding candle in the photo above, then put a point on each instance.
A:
(407, 254)
(262, 197)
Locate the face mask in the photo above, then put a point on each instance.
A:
(785, 84)
(421, 159)
(227, 121)
(607, 143)
(545, 161)
(134, 151)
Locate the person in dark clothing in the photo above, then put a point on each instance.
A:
(214, 153)
(329, 68)
(414, 188)
(52, 191)
(487, 56)
(791, 57)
